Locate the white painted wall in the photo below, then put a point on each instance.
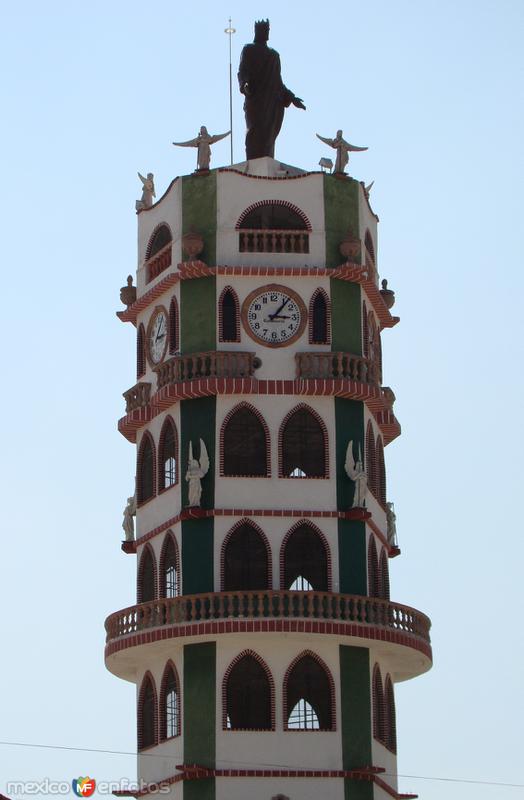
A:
(169, 210)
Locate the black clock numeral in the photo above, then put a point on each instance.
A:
(274, 298)
(256, 326)
(264, 300)
(257, 306)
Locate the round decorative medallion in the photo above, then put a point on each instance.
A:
(274, 315)
(157, 336)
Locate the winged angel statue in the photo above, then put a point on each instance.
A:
(196, 470)
(343, 148)
(203, 142)
(355, 470)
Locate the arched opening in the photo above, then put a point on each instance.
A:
(246, 560)
(146, 585)
(169, 568)
(365, 331)
(371, 466)
(173, 326)
(145, 473)
(308, 694)
(305, 560)
(168, 455)
(373, 575)
(370, 254)
(319, 318)
(273, 227)
(169, 704)
(244, 444)
(161, 238)
(147, 714)
(248, 696)
(140, 352)
(384, 575)
(303, 446)
(381, 472)
(390, 738)
(158, 253)
(378, 705)
(229, 316)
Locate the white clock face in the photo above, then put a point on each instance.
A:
(274, 316)
(157, 339)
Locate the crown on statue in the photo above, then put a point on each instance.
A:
(262, 26)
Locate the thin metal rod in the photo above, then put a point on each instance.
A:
(230, 31)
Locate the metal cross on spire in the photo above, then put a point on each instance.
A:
(230, 31)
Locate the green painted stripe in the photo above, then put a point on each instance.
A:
(197, 556)
(199, 211)
(355, 701)
(197, 421)
(199, 715)
(349, 425)
(352, 557)
(341, 215)
(346, 312)
(198, 315)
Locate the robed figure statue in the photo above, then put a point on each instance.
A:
(266, 96)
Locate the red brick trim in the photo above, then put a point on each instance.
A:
(314, 296)
(169, 535)
(225, 680)
(236, 526)
(152, 236)
(221, 311)
(306, 407)
(139, 478)
(269, 177)
(370, 246)
(284, 203)
(225, 423)
(162, 709)
(148, 678)
(168, 422)
(145, 300)
(286, 711)
(324, 541)
(139, 584)
(391, 551)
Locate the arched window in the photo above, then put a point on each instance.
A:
(303, 445)
(140, 352)
(381, 493)
(169, 703)
(365, 331)
(272, 226)
(173, 326)
(378, 705)
(145, 473)
(308, 696)
(370, 253)
(390, 738)
(245, 444)
(373, 574)
(158, 252)
(319, 318)
(384, 575)
(146, 584)
(161, 238)
(248, 695)
(167, 455)
(245, 559)
(147, 714)
(169, 568)
(228, 316)
(305, 560)
(371, 467)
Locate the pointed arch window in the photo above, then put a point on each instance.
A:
(145, 473)
(379, 715)
(158, 252)
(229, 316)
(248, 696)
(303, 445)
(146, 588)
(381, 492)
(140, 352)
(383, 576)
(305, 561)
(173, 326)
(319, 318)
(246, 560)
(371, 466)
(370, 253)
(147, 715)
(170, 704)
(168, 455)
(373, 573)
(365, 331)
(308, 696)
(245, 444)
(169, 568)
(390, 738)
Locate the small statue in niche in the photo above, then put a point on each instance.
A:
(343, 148)
(391, 519)
(355, 470)
(148, 192)
(196, 470)
(128, 523)
(203, 142)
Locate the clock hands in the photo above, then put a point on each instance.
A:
(277, 312)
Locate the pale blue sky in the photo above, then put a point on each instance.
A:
(93, 92)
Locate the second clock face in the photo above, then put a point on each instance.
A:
(157, 336)
(274, 315)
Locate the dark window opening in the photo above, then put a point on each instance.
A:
(147, 715)
(171, 707)
(168, 455)
(303, 446)
(373, 575)
(248, 696)
(160, 239)
(173, 326)
(229, 318)
(170, 578)
(305, 560)
(319, 333)
(245, 560)
(274, 217)
(146, 578)
(146, 471)
(309, 684)
(244, 445)
(140, 352)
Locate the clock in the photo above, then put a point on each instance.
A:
(274, 315)
(157, 336)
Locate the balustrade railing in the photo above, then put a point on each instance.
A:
(268, 604)
(267, 241)
(337, 365)
(138, 396)
(159, 262)
(214, 364)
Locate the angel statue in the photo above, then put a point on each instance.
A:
(391, 519)
(196, 470)
(128, 524)
(355, 470)
(148, 192)
(203, 142)
(343, 148)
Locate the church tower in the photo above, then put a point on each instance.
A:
(263, 645)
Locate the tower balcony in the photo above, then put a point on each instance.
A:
(400, 629)
(212, 364)
(337, 365)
